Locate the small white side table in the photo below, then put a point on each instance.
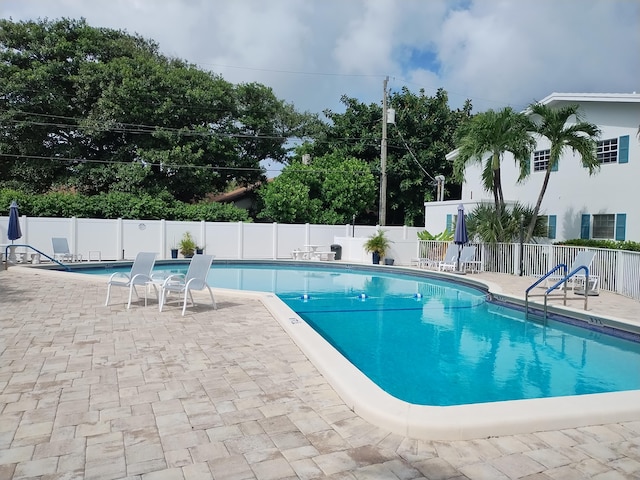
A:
(95, 253)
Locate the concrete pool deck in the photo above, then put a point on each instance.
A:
(90, 391)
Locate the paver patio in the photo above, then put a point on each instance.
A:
(95, 392)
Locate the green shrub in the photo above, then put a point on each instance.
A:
(445, 236)
(118, 205)
(610, 244)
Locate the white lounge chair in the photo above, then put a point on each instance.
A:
(584, 258)
(450, 258)
(195, 279)
(61, 251)
(140, 274)
(467, 259)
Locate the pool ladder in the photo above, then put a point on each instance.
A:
(565, 276)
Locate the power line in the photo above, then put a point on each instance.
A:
(413, 156)
(295, 72)
(169, 166)
(141, 129)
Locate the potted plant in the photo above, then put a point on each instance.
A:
(174, 249)
(199, 250)
(187, 245)
(377, 244)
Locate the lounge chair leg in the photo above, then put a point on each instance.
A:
(213, 300)
(161, 300)
(106, 303)
(131, 289)
(184, 303)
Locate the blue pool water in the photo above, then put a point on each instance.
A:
(432, 342)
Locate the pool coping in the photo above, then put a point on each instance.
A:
(458, 422)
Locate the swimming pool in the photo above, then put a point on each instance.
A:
(429, 341)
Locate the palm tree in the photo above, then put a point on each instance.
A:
(580, 136)
(494, 133)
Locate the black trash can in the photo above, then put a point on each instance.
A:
(338, 249)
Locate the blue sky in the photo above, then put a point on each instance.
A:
(496, 52)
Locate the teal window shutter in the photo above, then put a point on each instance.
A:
(552, 226)
(450, 223)
(623, 149)
(585, 226)
(621, 221)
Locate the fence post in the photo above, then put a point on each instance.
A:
(274, 238)
(240, 240)
(203, 234)
(73, 235)
(119, 240)
(163, 238)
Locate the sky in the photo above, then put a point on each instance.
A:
(496, 53)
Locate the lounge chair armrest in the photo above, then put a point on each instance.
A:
(119, 277)
(195, 283)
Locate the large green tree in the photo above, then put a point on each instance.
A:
(40, 105)
(417, 145)
(485, 139)
(96, 110)
(565, 128)
(419, 140)
(330, 189)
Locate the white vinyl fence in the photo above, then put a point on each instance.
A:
(122, 239)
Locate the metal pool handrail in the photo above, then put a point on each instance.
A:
(539, 281)
(562, 281)
(6, 255)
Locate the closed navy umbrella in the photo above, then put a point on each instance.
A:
(13, 230)
(460, 236)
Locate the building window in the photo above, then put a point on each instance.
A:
(604, 226)
(541, 160)
(608, 151)
(549, 221)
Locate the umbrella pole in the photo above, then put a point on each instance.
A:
(458, 271)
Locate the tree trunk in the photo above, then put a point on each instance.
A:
(498, 182)
(534, 217)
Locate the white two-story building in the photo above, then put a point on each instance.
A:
(605, 205)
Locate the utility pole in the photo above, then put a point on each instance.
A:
(383, 159)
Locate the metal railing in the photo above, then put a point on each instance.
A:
(562, 282)
(10, 258)
(618, 270)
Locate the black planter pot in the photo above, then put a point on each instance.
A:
(376, 258)
(174, 253)
(199, 251)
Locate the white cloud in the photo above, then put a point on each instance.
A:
(496, 52)
(518, 52)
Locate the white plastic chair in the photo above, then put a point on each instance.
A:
(140, 274)
(194, 279)
(61, 251)
(584, 258)
(467, 259)
(450, 258)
